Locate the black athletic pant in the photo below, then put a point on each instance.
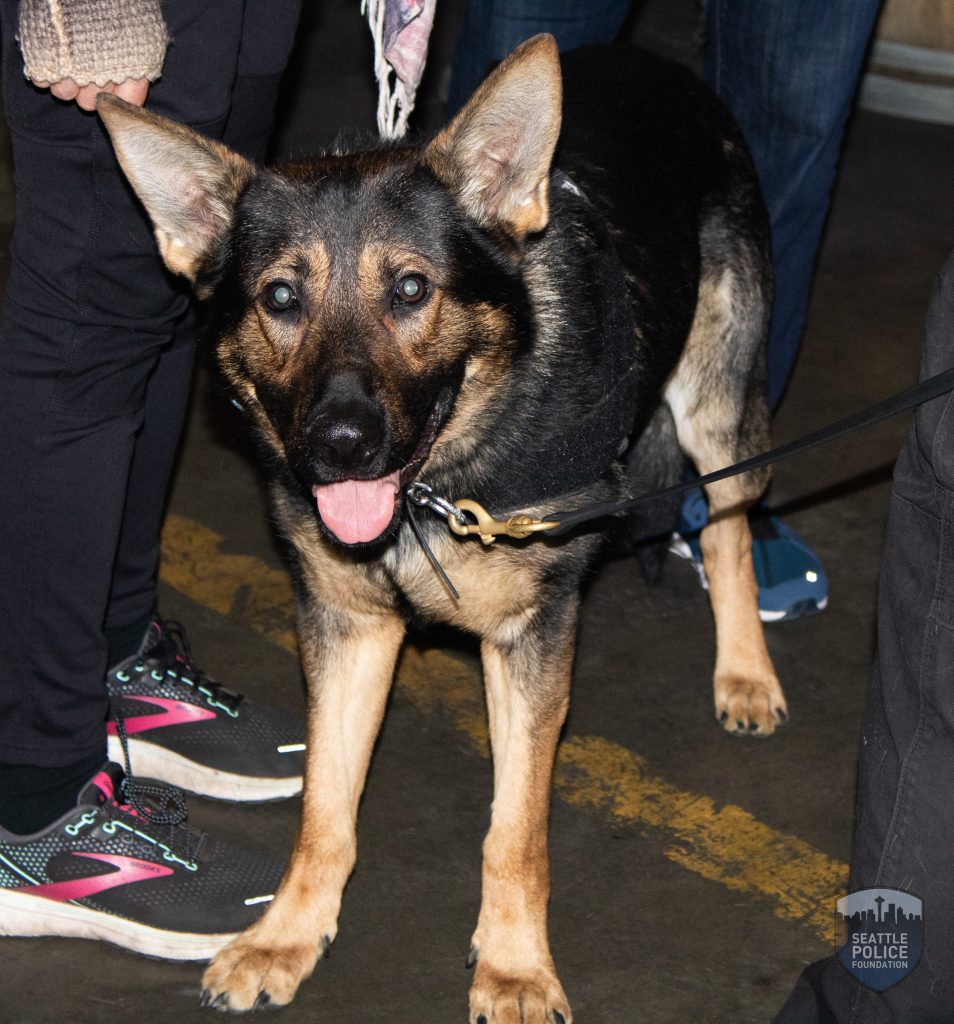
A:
(904, 833)
(96, 351)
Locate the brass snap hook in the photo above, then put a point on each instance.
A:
(488, 528)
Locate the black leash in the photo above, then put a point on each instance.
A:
(554, 524)
(923, 392)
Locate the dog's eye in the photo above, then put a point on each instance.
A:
(281, 297)
(409, 290)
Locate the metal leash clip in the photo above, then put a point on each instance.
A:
(424, 496)
(487, 527)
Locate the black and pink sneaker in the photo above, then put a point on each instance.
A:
(188, 730)
(138, 877)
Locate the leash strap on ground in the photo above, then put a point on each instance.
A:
(933, 387)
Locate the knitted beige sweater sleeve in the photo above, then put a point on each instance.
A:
(92, 41)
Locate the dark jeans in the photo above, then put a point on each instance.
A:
(96, 350)
(493, 28)
(789, 72)
(904, 832)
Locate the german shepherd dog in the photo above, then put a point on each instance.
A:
(462, 313)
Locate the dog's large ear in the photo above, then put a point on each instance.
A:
(187, 183)
(496, 153)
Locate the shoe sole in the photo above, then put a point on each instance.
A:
(157, 762)
(26, 916)
(797, 611)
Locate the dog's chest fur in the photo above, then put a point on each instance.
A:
(500, 585)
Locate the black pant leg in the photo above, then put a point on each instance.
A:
(267, 35)
(904, 834)
(89, 311)
(132, 590)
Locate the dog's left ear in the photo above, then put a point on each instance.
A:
(188, 184)
(496, 153)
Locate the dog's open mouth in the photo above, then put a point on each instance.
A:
(360, 511)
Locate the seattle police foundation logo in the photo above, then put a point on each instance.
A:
(881, 935)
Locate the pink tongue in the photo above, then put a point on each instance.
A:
(358, 511)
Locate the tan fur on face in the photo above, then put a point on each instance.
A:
(483, 375)
(244, 358)
(307, 270)
(396, 349)
(417, 334)
(382, 264)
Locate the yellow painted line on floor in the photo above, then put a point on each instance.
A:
(724, 844)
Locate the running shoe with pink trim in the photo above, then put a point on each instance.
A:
(135, 876)
(190, 731)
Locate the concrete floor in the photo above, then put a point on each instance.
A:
(694, 874)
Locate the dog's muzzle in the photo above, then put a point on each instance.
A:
(360, 511)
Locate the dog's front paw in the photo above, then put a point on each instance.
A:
(250, 975)
(750, 707)
(497, 997)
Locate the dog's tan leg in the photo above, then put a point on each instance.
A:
(349, 672)
(721, 417)
(528, 681)
(748, 697)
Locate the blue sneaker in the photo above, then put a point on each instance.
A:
(791, 580)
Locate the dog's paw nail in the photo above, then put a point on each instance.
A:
(220, 1002)
(471, 958)
(724, 716)
(262, 1001)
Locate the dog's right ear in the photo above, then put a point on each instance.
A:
(188, 184)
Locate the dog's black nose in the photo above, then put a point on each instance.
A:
(347, 443)
(346, 428)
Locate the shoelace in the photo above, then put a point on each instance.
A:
(173, 656)
(156, 804)
(159, 804)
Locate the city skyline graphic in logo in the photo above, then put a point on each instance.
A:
(881, 935)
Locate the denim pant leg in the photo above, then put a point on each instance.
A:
(493, 28)
(904, 832)
(788, 72)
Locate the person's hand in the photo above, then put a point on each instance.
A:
(133, 90)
